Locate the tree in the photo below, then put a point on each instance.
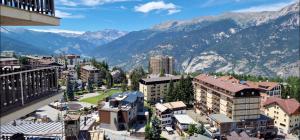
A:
(162, 73)
(109, 80)
(23, 60)
(200, 129)
(170, 92)
(70, 92)
(135, 77)
(192, 129)
(148, 131)
(155, 130)
(189, 89)
(90, 86)
(124, 86)
(78, 70)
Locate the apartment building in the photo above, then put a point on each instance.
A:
(89, 72)
(122, 110)
(267, 89)
(165, 112)
(239, 104)
(158, 64)
(11, 61)
(214, 95)
(285, 112)
(154, 89)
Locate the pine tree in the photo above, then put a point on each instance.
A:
(90, 86)
(189, 89)
(109, 80)
(170, 92)
(70, 92)
(155, 129)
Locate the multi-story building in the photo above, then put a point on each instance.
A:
(120, 111)
(238, 102)
(267, 89)
(161, 64)
(9, 62)
(7, 54)
(154, 89)
(89, 72)
(285, 112)
(165, 112)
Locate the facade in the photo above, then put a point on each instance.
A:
(7, 54)
(120, 111)
(89, 72)
(267, 89)
(285, 112)
(239, 103)
(158, 64)
(11, 61)
(72, 126)
(182, 121)
(165, 112)
(218, 96)
(154, 89)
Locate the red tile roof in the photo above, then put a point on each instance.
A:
(227, 85)
(262, 85)
(290, 106)
(229, 78)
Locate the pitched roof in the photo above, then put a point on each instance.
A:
(262, 85)
(290, 106)
(160, 107)
(174, 105)
(229, 78)
(227, 85)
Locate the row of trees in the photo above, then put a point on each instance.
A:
(181, 91)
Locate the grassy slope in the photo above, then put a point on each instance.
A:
(94, 100)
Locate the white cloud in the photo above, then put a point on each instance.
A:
(62, 14)
(99, 2)
(269, 7)
(57, 31)
(157, 5)
(68, 3)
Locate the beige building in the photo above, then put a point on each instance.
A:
(154, 89)
(89, 72)
(214, 95)
(285, 112)
(158, 64)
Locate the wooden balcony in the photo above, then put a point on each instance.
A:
(28, 13)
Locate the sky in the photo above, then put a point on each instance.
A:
(78, 16)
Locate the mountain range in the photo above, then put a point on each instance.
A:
(259, 43)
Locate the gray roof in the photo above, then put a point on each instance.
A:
(184, 119)
(8, 59)
(89, 67)
(33, 128)
(221, 118)
(161, 78)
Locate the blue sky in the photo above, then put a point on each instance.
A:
(131, 15)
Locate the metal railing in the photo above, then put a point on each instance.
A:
(39, 6)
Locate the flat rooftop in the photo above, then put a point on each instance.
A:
(220, 118)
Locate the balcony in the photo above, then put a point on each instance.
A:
(28, 13)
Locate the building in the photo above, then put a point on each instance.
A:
(161, 64)
(120, 111)
(239, 103)
(7, 54)
(72, 126)
(165, 112)
(154, 89)
(241, 136)
(220, 126)
(182, 122)
(267, 89)
(89, 72)
(285, 112)
(10, 61)
(218, 96)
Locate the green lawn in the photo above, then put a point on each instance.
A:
(94, 100)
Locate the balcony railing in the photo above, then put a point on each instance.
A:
(45, 7)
